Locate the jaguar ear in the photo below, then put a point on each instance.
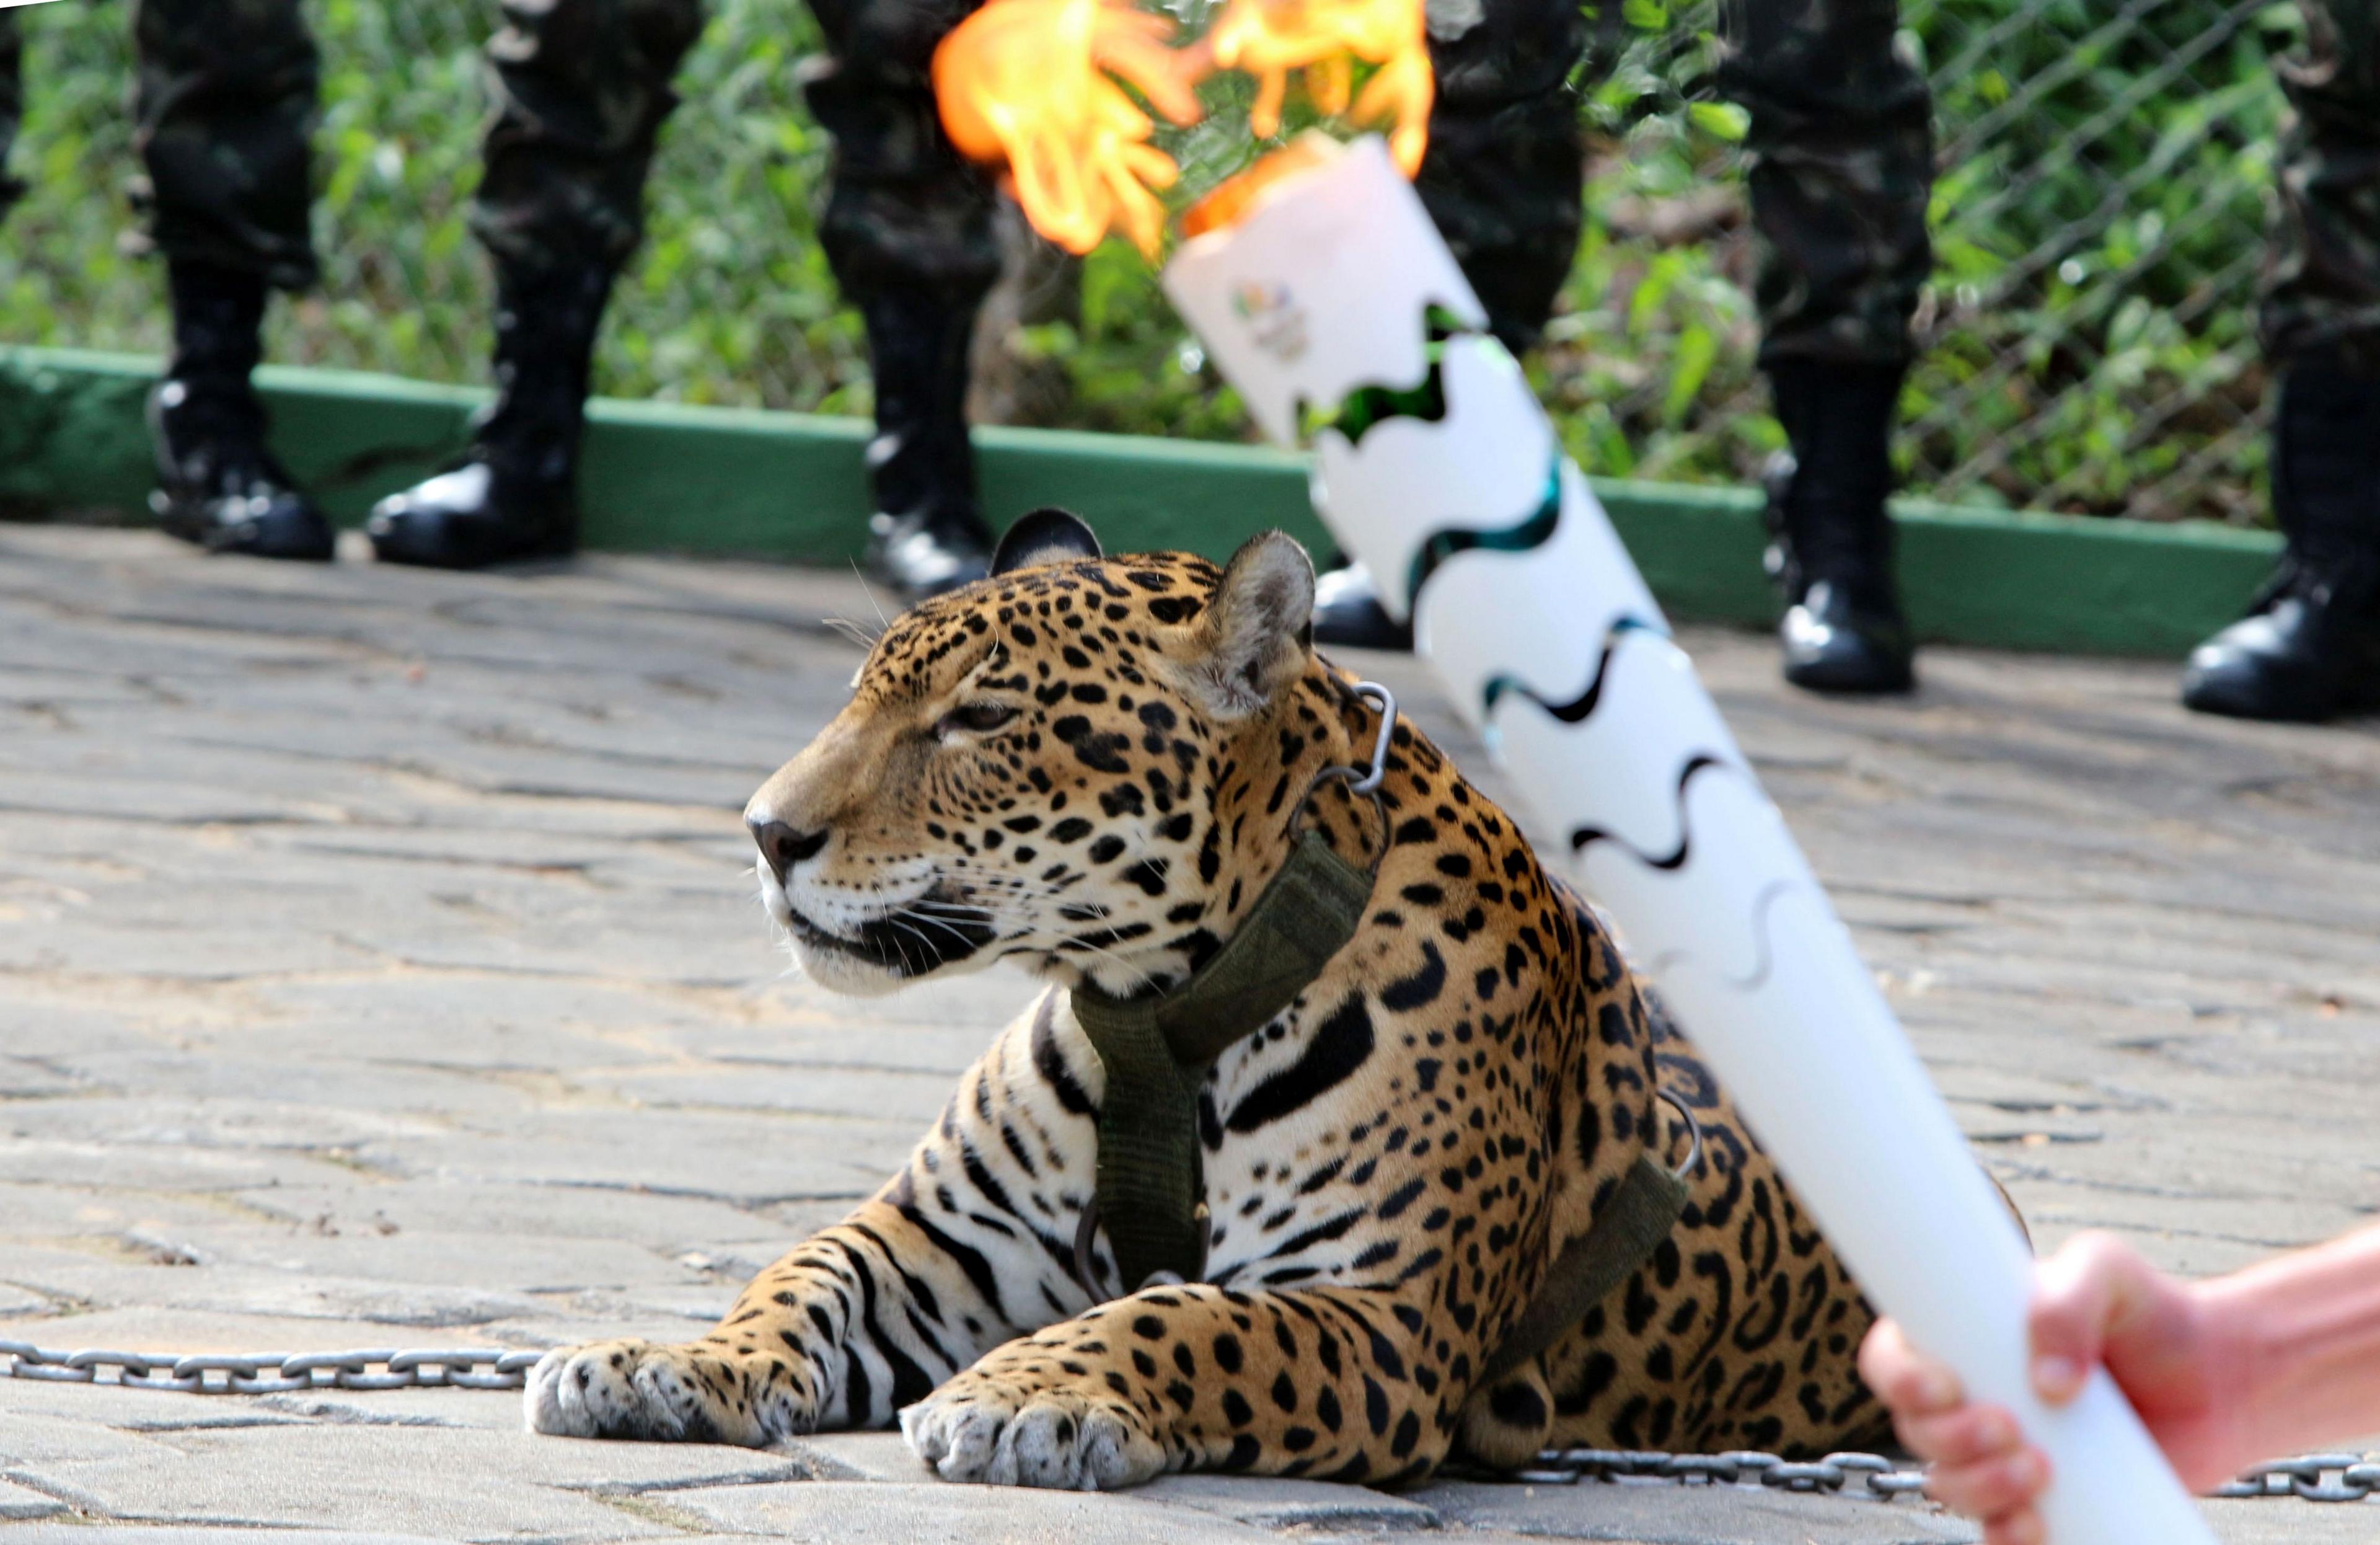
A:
(1260, 629)
(1046, 536)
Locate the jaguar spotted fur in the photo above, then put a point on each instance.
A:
(1090, 767)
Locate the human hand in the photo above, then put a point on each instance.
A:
(2095, 1302)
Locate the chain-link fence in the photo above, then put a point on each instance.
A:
(2088, 340)
(2104, 167)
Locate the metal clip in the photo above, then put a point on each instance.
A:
(1087, 1266)
(1365, 780)
(1694, 1160)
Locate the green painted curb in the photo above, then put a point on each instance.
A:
(792, 487)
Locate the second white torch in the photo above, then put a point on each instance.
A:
(1545, 636)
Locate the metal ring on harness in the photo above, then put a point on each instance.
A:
(1086, 1233)
(1694, 1132)
(1086, 1273)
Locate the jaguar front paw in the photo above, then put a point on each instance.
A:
(634, 1388)
(981, 1428)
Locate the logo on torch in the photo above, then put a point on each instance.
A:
(1275, 318)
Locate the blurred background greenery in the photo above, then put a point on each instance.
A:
(2105, 169)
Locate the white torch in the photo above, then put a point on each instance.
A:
(1547, 640)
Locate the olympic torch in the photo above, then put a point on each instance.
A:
(1547, 640)
(1318, 276)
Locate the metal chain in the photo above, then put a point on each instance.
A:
(2359, 1476)
(2313, 1478)
(271, 1372)
(1875, 1476)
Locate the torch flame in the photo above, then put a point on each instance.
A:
(1270, 38)
(1028, 82)
(1234, 197)
(1034, 84)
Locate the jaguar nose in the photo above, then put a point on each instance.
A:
(780, 847)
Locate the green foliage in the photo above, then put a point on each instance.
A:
(2089, 332)
(2100, 226)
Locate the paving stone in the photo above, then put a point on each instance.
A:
(137, 1410)
(148, 1325)
(804, 1034)
(18, 1502)
(669, 1151)
(882, 1456)
(222, 1122)
(668, 1224)
(490, 1410)
(935, 1513)
(183, 1533)
(915, 1097)
(405, 1309)
(1273, 1503)
(507, 1267)
(17, 1303)
(2292, 1523)
(1691, 1514)
(42, 1449)
(455, 1482)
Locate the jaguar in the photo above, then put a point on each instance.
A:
(1092, 767)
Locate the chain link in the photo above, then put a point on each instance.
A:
(2313, 1478)
(271, 1372)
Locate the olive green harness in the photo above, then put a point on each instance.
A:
(1157, 1050)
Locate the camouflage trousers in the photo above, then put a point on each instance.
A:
(225, 99)
(12, 105)
(225, 103)
(582, 88)
(1840, 165)
(2322, 271)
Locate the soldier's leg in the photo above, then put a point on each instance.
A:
(2310, 647)
(909, 231)
(12, 105)
(582, 88)
(225, 102)
(1840, 165)
(1503, 180)
(2322, 277)
(1840, 157)
(1503, 176)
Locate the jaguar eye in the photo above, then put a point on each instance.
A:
(978, 718)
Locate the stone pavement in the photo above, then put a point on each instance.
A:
(379, 966)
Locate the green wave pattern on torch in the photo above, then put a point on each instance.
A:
(1583, 702)
(1533, 530)
(1369, 407)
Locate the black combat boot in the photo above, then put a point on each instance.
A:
(1348, 613)
(2309, 649)
(1832, 541)
(928, 534)
(217, 485)
(513, 494)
